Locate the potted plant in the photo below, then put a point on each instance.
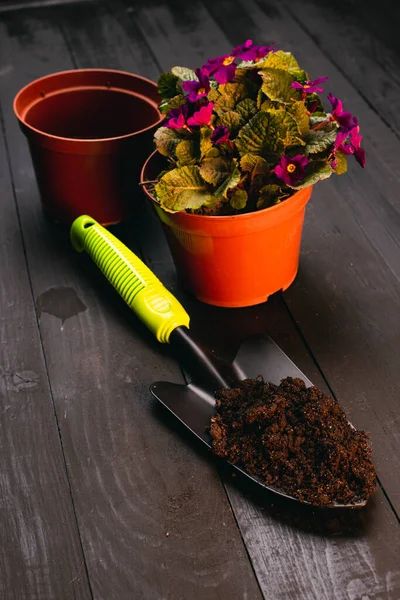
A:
(245, 137)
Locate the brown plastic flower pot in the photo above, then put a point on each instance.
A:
(89, 132)
(236, 260)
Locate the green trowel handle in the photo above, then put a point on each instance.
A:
(136, 284)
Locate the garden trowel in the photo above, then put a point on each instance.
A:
(160, 311)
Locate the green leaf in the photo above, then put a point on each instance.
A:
(184, 74)
(299, 75)
(167, 85)
(221, 173)
(268, 105)
(316, 171)
(232, 120)
(169, 103)
(166, 140)
(181, 189)
(230, 95)
(260, 98)
(205, 140)
(270, 195)
(299, 112)
(280, 60)
(320, 140)
(213, 95)
(341, 166)
(187, 152)
(257, 168)
(276, 85)
(284, 126)
(318, 117)
(260, 137)
(247, 109)
(250, 163)
(238, 200)
(311, 99)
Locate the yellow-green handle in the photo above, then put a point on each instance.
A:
(133, 280)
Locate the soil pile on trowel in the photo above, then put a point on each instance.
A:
(294, 438)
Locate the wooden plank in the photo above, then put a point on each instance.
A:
(134, 479)
(325, 561)
(350, 261)
(367, 55)
(41, 554)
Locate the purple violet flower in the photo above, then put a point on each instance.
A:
(353, 146)
(309, 87)
(220, 135)
(177, 117)
(343, 117)
(291, 170)
(223, 68)
(197, 89)
(257, 53)
(202, 116)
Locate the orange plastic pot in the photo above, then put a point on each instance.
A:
(237, 260)
(89, 131)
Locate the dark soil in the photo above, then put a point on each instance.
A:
(294, 438)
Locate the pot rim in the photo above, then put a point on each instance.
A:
(221, 218)
(83, 141)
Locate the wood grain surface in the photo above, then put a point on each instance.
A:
(156, 517)
(41, 555)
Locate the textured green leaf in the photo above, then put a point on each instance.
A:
(284, 126)
(182, 188)
(299, 75)
(260, 137)
(268, 105)
(299, 112)
(205, 140)
(169, 103)
(341, 166)
(280, 60)
(221, 173)
(167, 140)
(276, 85)
(213, 95)
(270, 195)
(318, 117)
(260, 98)
(310, 101)
(247, 108)
(315, 172)
(230, 95)
(322, 139)
(184, 74)
(232, 120)
(187, 152)
(238, 200)
(250, 163)
(167, 85)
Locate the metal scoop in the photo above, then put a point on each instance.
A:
(192, 404)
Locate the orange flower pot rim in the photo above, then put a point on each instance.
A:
(60, 74)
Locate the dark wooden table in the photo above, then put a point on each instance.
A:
(101, 494)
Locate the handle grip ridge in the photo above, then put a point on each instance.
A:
(142, 291)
